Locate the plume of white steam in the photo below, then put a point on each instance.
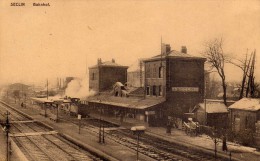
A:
(79, 88)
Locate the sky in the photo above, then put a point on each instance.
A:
(37, 43)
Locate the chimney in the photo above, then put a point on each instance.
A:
(99, 61)
(113, 60)
(166, 48)
(184, 49)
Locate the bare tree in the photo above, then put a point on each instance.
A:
(217, 59)
(251, 78)
(244, 65)
(248, 83)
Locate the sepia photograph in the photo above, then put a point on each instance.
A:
(129, 80)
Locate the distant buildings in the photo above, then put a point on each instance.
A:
(105, 74)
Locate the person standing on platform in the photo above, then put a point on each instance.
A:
(224, 145)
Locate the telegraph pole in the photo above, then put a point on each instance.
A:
(47, 90)
(99, 134)
(7, 128)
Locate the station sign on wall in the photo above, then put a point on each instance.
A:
(149, 112)
(185, 89)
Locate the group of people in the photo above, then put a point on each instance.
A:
(172, 123)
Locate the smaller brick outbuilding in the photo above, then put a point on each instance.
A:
(214, 114)
(244, 114)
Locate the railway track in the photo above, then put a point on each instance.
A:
(43, 147)
(14, 115)
(162, 149)
(151, 146)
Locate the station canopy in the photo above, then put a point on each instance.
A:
(127, 102)
(50, 100)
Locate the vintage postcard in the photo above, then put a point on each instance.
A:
(129, 80)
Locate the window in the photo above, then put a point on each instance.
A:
(93, 76)
(154, 90)
(154, 72)
(147, 90)
(161, 72)
(249, 123)
(148, 73)
(160, 91)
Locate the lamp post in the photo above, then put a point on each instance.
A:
(101, 134)
(57, 102)
(138, 130)
(79, 118)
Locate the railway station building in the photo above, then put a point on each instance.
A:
(176, 76)
(173, 84)
(103, 75)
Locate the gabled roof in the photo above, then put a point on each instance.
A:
(175, 54)
(248, 104)
(108, 64)
(212, 107)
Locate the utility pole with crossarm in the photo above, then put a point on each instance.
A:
(7, 128)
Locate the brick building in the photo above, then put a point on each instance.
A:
(244, 114)
(212, 113)
(176, 76)
(173, 84)
(104, 75)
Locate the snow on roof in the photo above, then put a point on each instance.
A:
(127, 102)
(214, 107)
(248, 104)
